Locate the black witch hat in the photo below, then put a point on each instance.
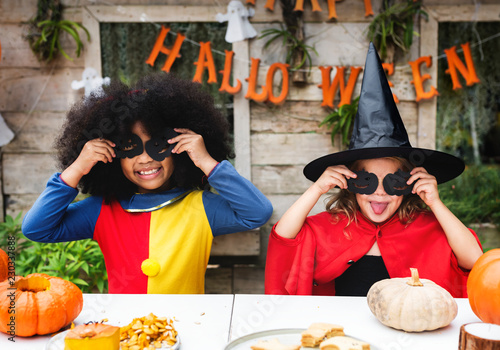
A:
(378, 131)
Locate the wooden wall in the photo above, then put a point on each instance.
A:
(34, 98)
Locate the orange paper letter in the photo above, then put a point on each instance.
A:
(330, 88)
(455, 63)
(205, 60)
(332, 11)
(269, 5)
(284, 85)
(225, 86)
(299, 5)
(172, 54)
(368, 8)
(252, 83)
(418, 79)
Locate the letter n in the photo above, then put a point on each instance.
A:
(455, 63)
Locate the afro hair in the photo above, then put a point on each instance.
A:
(158, 101)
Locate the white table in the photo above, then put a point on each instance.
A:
(200, 319)
(254, 313)
(209, 322)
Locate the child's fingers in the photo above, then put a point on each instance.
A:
(337, 176)
(419, 173)
(99, 150)
(184, 131)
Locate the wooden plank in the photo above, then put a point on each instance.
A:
(219, 280)
(16, 11)
(92, 50)
(286, 179)
(35, 132)
(426, 135)
(241, 111)
(289, 149)
(47, 90)
(291, 117)
(155, 13)
(248, 280)
(305, 116)
(237, 244)
(26, 173)
(464, 13)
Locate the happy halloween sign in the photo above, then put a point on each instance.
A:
(328, 85)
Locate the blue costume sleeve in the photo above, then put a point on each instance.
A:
(53, 218)
(238, 206)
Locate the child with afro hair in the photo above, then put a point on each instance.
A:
(147, 155)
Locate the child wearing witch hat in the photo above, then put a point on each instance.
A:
(386, 218)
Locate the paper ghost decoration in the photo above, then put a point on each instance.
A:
(90, 81)
(238, 27)
(6, 135)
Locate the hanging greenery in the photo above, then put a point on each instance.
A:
(46, 28)
(292, 38)
(393, 27)
(340, 120)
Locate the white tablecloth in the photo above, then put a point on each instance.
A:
(210, 322)
(201, 320)
(254, 313)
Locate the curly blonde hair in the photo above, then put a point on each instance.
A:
(344, 201)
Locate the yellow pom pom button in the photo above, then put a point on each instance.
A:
(150, 267)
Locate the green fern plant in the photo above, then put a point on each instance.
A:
(394, 26)
(340, 121)
(46, 28)
(48, 44)
(292, 44)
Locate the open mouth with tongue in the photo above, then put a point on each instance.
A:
(378, 207)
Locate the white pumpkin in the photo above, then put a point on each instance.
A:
(411, 304)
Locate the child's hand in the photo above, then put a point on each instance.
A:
(192, 143)
(97, 150)
(333, 176)
(94, 151)
(425, 186)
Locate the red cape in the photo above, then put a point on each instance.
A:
(322, 251)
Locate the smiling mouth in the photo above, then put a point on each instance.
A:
(378, 207)
(148, 172)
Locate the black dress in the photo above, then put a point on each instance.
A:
(360, 276)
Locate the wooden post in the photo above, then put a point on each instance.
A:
(479, 336)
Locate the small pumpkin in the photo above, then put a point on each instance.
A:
(4, 265)
(42, 304)
(483, 287)
(411, 304)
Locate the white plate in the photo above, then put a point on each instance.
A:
(289, 336)
(57, 342)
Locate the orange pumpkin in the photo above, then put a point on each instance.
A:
(4, 265)
(42, 304)
(483, 287)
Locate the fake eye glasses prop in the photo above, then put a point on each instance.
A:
(157, 147)
(367, 183)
